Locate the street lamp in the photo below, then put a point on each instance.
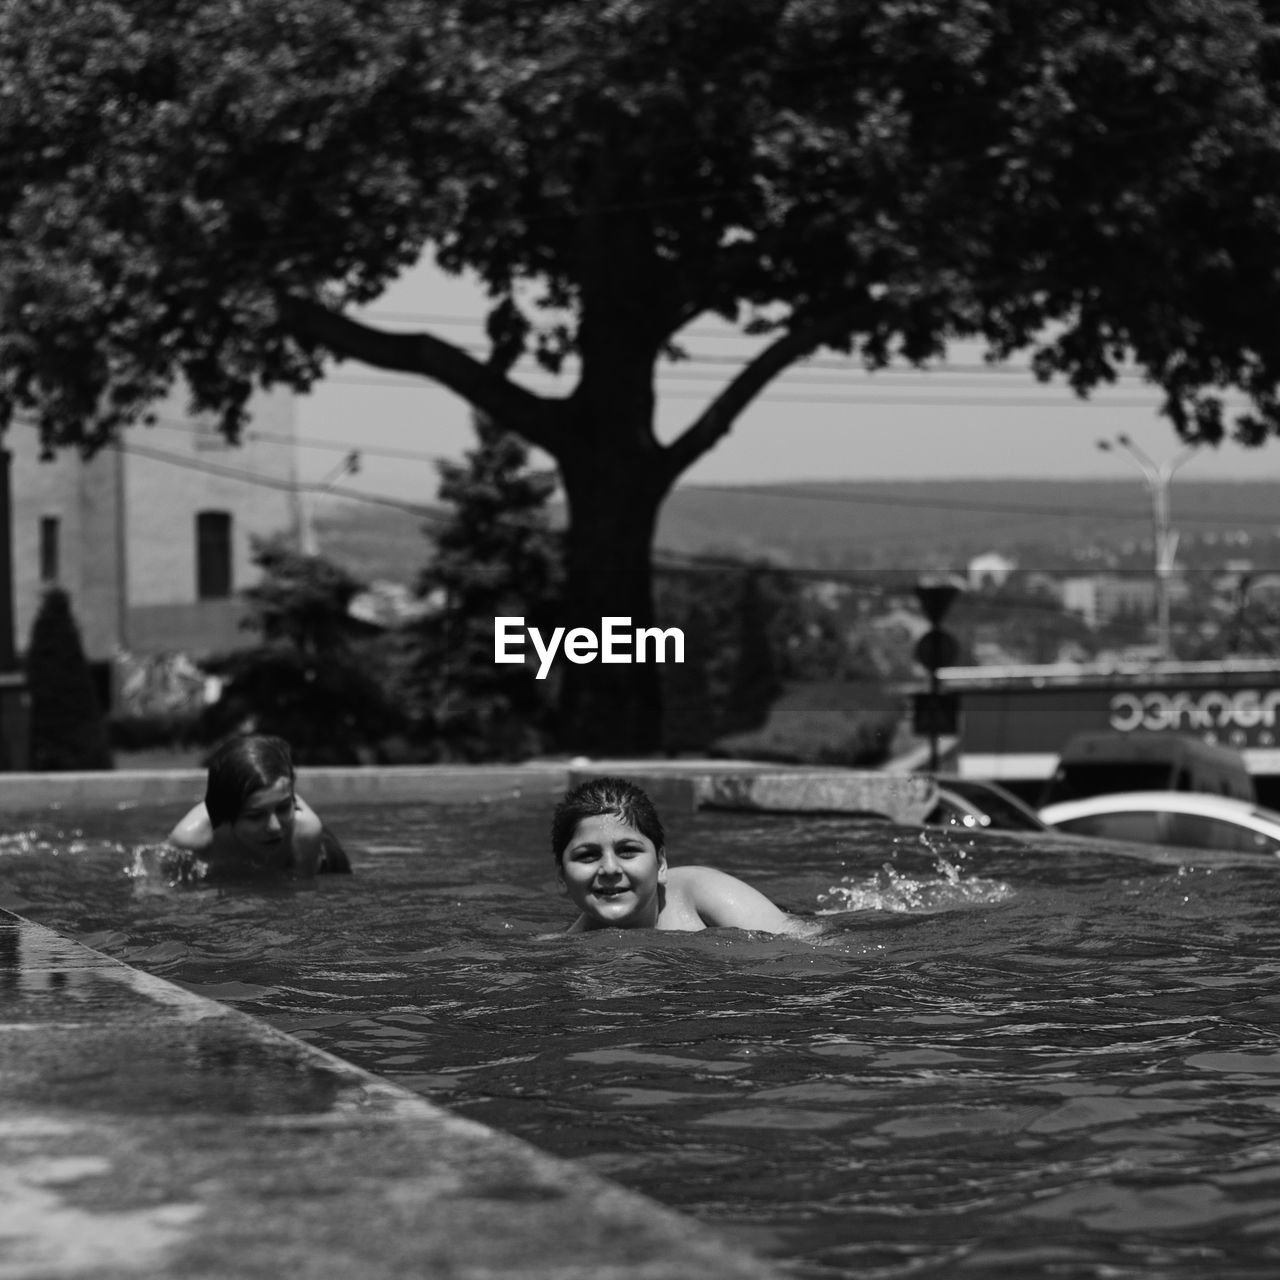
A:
(307, 541)
(1157, 479)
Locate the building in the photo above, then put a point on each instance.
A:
(152, 540)
(1101, 598)
(990, 570)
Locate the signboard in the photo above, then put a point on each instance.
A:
(935, 713)
(937, 648)
(1030, 719)
(1237, 718)
(1014, 728)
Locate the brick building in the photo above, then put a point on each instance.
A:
(152, 540)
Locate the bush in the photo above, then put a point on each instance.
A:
(828, 723)
(68, 728)
(155, 729)
(313, 677)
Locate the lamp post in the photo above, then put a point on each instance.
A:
(308, 543)
(935, 648)
(1157, 478)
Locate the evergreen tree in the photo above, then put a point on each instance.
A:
(68, 728)
(496, 556)
(310, 679)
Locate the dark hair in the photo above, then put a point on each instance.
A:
(240, 767)
(597, 797)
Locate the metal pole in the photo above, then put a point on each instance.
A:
(8, 652)
(934, 684)
(1157, 480)
(308, 543)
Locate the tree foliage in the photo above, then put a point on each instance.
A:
(311, 678)
(209, 188)
(495, 556)
(68, 727)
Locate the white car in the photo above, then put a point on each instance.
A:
(1188, 819)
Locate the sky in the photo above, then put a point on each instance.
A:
(825, 420)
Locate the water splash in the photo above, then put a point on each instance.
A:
(892, 890)
(153, 866)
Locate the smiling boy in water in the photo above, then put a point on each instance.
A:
(251, 821)
(610, 854)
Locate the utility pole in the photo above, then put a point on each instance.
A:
(308, 543)
(1157, 478)
(935, 712)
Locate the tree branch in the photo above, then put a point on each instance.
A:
(717, 419)
(483, 386)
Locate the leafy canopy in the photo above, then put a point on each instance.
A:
(191, 186)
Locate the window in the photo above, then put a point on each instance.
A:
(213, 555)
(1217, 833)
(49, 549)
(1140, 825)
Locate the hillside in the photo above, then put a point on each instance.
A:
(879, 525)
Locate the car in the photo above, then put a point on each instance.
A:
(1185, 819)
(969, 802)
(1091, 764)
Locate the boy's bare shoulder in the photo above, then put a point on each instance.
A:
(193, 831)
(723, 899)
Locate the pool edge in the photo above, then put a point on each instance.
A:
(318, 1159)
(675, 784)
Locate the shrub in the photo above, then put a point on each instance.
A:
(827, 723)
(68, 728)
(312, 678)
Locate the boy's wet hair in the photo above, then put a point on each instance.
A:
(599, 797)
(241, 766)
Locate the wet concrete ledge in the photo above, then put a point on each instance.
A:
(772, 788)
(675, 784)
(147, 1132)
(404, 784)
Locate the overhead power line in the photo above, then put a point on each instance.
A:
(662, 558)
(899, 499)
(778, 393)
(750, 490)
(277, 482)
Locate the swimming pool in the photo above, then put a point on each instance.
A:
(1002, 1059)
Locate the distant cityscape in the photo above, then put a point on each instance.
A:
(1075, 582)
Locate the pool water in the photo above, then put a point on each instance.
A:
(1002, 1058)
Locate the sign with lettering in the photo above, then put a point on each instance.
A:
(1026, 719)
(1240, 717)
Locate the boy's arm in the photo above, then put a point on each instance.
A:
(316, 847)
(333, 857)
(724, 900)
(194, 831)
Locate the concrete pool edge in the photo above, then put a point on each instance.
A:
(148, 1131)
(677, 784)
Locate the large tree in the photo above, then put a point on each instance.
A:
(209, 188)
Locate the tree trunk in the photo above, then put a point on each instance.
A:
(614, 493)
